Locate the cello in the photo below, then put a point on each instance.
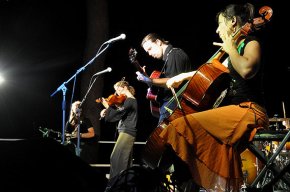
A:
(205, 90)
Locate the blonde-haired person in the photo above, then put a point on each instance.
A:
(88, 150)
(125, 115)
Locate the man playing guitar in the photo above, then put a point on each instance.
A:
(176, 61)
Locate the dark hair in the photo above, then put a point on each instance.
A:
(243, 13)
(153, 37)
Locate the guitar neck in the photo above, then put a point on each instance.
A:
(139, 68)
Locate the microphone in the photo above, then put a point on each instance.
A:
(109, 69)
(120, 37)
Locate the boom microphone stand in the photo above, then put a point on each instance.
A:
(95, 76)
(63, 88)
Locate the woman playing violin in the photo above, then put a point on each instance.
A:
(126, 117)
(210, 141)
(113, 100)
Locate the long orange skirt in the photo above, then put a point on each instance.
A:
(208, 142)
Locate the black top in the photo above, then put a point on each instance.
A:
(242, 90)
(85, 123)
(176, 61)
(127, 116)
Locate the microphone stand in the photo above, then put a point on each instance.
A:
(78, 149)
(63, 88)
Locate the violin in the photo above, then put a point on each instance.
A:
(114, 99)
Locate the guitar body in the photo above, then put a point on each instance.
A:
(152, 91)
(201, 93)
(154, 108)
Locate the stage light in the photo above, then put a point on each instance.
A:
(1, 79)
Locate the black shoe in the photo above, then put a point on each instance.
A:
(108, 188)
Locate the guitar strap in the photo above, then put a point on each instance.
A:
(163, 68)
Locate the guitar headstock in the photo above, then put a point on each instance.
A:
(132, 58)
(132, 55)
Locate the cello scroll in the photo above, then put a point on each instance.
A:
(254, 24)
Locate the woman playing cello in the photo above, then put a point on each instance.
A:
(209, 142)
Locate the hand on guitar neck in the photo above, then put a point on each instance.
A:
(151, 91)
(143, 77)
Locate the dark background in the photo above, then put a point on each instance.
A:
(43, 43)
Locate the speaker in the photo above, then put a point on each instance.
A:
(44, 164)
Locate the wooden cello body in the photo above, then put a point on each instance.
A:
(204, 91)
(201, 93)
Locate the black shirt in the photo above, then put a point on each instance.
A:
(127, 116)
(241, 89)
(85, 124)
(176, 61)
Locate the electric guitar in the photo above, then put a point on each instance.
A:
(152, 91)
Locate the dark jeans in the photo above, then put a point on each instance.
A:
(166, 110)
